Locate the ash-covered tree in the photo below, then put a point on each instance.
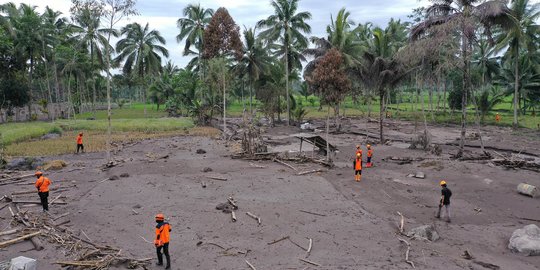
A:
(333, 83)
(222, 40)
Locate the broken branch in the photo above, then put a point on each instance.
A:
(251, 265)
(310, 262)
(279, 240)
(217, 178)
(285, 164)
(407, 252)
(18, 239)
(309, 247)
(313, 213)
(401, 223)
(308, 172)
(258, 219)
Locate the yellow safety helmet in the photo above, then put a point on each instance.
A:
(368, 146)
(442, 183)
(357, 146)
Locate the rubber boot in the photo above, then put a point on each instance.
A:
(160, 258)
(359, 178)
(168, 261)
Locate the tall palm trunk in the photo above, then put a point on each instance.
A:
(287, 83)
(30, 94)
(466, 81)
(381, 114)
(327, 132)
(516, 88)
(224, 106)
(93, 80)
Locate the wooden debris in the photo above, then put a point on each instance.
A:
(56, 198)
(217, 178)
(233, 216)
(313, 213)
(407, 252)
(18, 239)
(16, 177)
(8, 232)
(256, 166)
(279, 240)
(487, 265)
(258, 219)
(251, 265)
(401, 223)
(144, 239)
(309, 247)
(296, 244)
(37, 243)
(36, 202)
(284, 163)
(232, 202)
(310, 262)
(61, 216)
(308, 172)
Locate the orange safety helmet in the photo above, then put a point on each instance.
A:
(442, 183)
(38, 173)
(160, 217)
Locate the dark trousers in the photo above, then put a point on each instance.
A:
(80, 146)
(165, 248)
(368, 159)
(44, 197)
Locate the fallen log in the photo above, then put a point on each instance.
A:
(310, 262)
(496, 149)
(284, 164)
(17, 177)
(56, 198)
(36, 202)
(37, 243)
(18, 239)
(313, 213)
(296, 244)
(487, 265)
(8, 232)
(251, 265)
(401, 223)
(233, 216)
(308, 172)
(217, 178)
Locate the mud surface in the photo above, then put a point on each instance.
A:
(356, 225)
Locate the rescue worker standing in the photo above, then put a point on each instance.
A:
(358, 151)
(357, 165)
(42, 185)
(445, 200)
(80, 143)
(162, 240)
(369, 156)
(497, 118)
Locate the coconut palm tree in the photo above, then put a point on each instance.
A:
(192, 30)
(463, 17)
(141, 51)
(255, 61)
(519, 38)
(287, 26)
(89, 35)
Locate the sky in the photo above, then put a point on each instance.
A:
(163, 14)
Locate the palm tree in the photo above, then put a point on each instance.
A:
(255, 61)
(287, 26)
(140, 51)
(192, 30)
(89, 36)
(465, 17)
(521, 36)
(22, 24)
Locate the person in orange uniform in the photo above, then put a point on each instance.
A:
(162, 240)
(357, 165)
(358, 151)
(369, 156)
(80, 143)
(42, 185)
(497, 118)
